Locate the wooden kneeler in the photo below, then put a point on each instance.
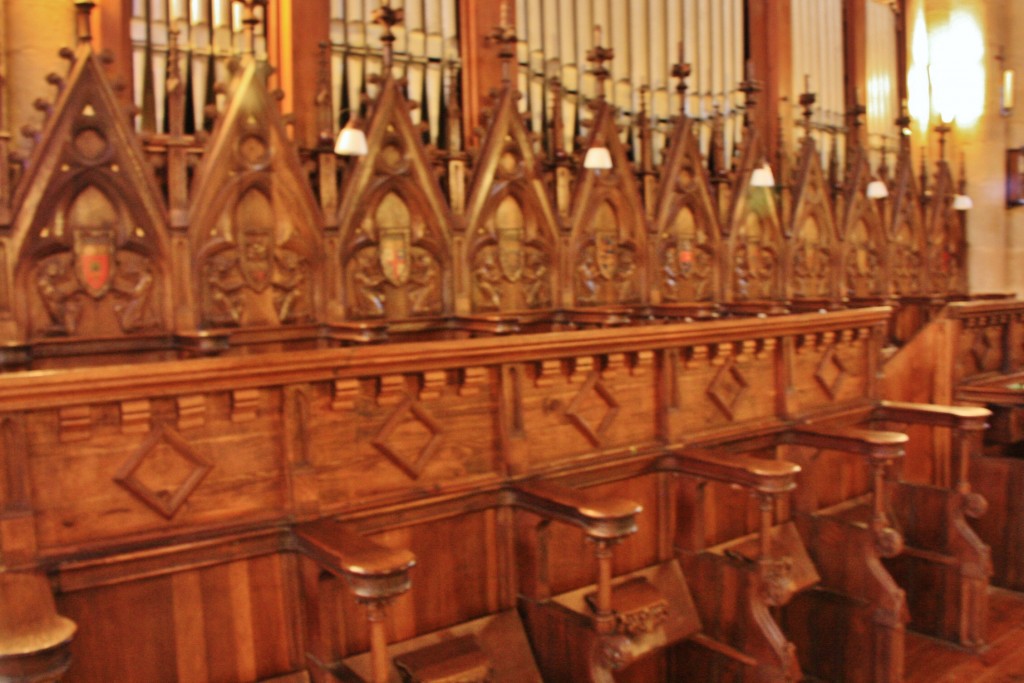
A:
(589, 633)
(740, 582)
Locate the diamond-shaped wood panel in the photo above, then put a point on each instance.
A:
(593, 388)
(727, 387)
(831, 372)
(164, 471)
(409, 456)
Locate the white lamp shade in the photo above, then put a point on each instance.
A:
(762, 176)
(351, 142)
(962, 202)
(598, 158)
(877, 190)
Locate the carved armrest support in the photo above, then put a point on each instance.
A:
(767, 479)
(375, 574)
(880, 448)
(605, 520)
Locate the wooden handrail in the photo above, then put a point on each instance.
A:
(874, 443)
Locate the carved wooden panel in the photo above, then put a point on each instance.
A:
(608, 245)
(906, 232)
(830, 368)
(685, 262)
(255, 230)
(511, 258)
(946, 242)
(812, 269)
(89, 251)
(395, 237)
(756, 247)
(865, 258)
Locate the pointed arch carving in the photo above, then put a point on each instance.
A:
(607, 253)
(945, 253)
(813, 259)
(254, 226)
(395, 242)
(90, 248)
(865, 260)
(511, 258)
(686, 231)
(756, 246)
(906, 232)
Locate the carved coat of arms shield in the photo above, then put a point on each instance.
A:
(394, 256)
(685, 256)
(94, 260)
(510, 252)
(606, 247)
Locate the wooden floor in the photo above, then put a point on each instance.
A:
(931, 661)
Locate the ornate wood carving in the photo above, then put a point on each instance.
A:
(686, 233)
(946, 242)
(608, 240)
(89, 235)
(906, 231)
(255, 229)
(813, 263)
(755, 255)
(511, 261)
(866, 263)
(395, 224)
(164, 471)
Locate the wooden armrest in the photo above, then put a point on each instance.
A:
(874, 443)
(761, 474)
(372, 570)
(958, 417)
(605, 517)
(1004, 394)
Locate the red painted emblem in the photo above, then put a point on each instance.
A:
(94, 262)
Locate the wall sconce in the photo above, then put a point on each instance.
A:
(598, 159)
(762, 176)
(1006, 99)
(877, 189)
(351, 141)
(962, 202)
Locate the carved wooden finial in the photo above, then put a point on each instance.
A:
(598, 56)
(681, 70)
(943, 129)
(249, 22)
(883, 168)
(322, 101)
(504, 36)
(83, 10)
(387, 17)
(644, 126)
(749, 86)
(453, 129)
(807, 100)
(557, 146)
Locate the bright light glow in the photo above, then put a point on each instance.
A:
(351, 142)
(958, 74)
(918, 85)
(962, 202)
(877, 190)
(598, 158)
(762, 176)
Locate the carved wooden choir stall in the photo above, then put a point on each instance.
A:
(307, 419)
